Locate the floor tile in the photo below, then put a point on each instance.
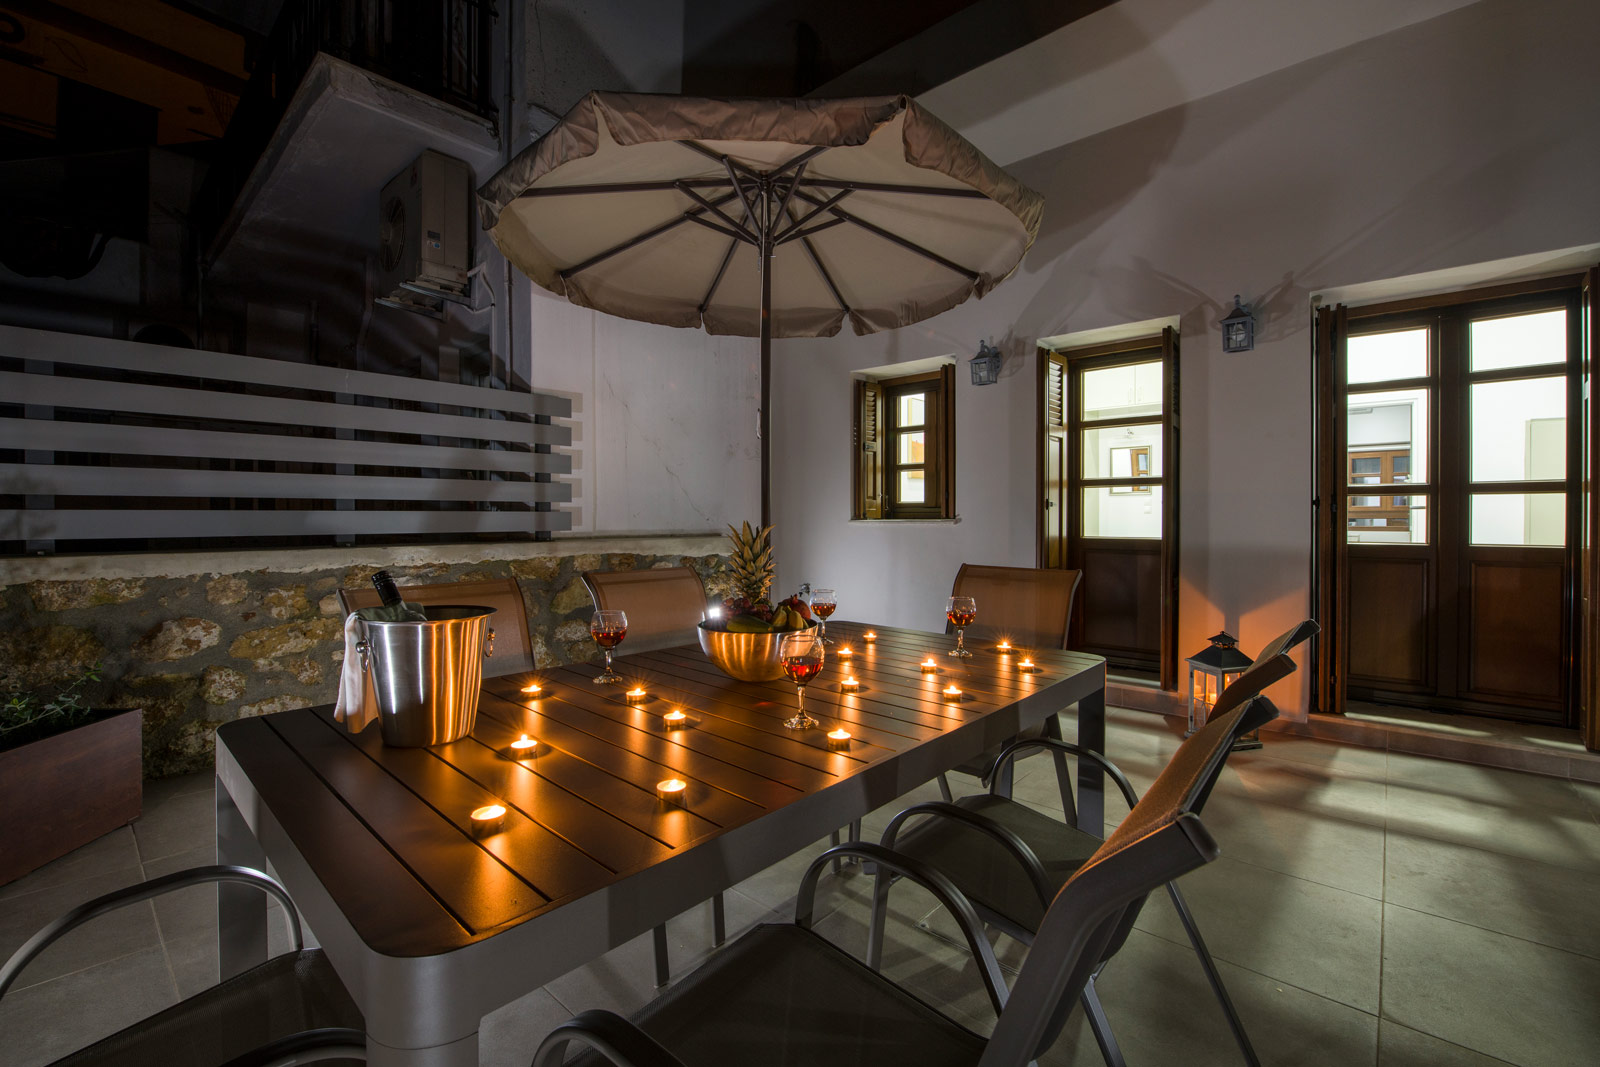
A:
(1356, 798)
(510, 1036)
(1502, 996)
(193, 959)
(177, 824)
(1342, 759)
(1560, 837)
(1319, 846)
(1401, 1046)
(185, 912)
(121, 992)
(1321, 939)
(111, 852)
(1493, 786)
(1534, 901)
(107, 937)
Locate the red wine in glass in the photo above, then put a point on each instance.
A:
(608, 628)
(961, 611)
(801, 654)
(823, 604)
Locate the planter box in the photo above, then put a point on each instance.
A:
(67, 790)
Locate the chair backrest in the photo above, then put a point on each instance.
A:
(513, 653)
(664, 605)
(1027, 606)
(1160, 839)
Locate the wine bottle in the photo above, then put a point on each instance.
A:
(391, 607)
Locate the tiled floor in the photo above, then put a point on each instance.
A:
(1369, 907)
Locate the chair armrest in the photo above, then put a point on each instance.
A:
(133, 894)
(929, 878)
(1019, 849)
(608, 1033)
(308, 1046)
(1112, 770)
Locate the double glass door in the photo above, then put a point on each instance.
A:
(1458, 504)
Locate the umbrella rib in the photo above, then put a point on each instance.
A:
(816, 261)
(795, 224)
(805, 235)
(722, 268)
(623, 187)
(739, 229)
(708, 224)
(908, 245)
(885, 187)
(638, 239)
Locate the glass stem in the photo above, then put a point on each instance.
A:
(961, 636)
(608, 661)
(800, 702)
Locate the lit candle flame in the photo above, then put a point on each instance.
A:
(930, 665)
(846, 651)
(675, 717)
(850, 685)
(524, 743)
(672, 790)
(870, 635)
(951, 691)
(532, 689)
(1005, 646)
(838, 738)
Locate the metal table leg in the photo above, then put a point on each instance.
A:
(1091, 779)
(241, 909)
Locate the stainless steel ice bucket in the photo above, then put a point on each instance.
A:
(427, 673)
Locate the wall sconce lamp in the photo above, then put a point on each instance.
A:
(985, 365)
(1238, 329)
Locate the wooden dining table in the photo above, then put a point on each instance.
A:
(431, 927)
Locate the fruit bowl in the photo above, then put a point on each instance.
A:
(747, 657)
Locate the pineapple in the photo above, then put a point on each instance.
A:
(752, 562)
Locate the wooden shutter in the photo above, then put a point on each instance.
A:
(1053, 461)
(1329, 541)
(947, 441)
(1589, 524)
(871, 478)
(1169, 513)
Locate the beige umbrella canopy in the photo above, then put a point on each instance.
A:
(666, 209)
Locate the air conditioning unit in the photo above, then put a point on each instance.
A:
(424, 235)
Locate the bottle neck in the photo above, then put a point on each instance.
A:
(388, 592)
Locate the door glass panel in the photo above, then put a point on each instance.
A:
(1394, 520)
(911, 409)
(912, 446)
(1519, 519)
(1122, 511)
(1387, 357)
(1519, 431)
(912, 489)
(1387, 434)
(1519, 340)
(1123, 452)
(1121, 392)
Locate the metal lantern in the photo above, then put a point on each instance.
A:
(1210, 672)
(1238, 329)
(985, 365)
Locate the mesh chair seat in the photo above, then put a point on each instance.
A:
(983, 870)
(784, 995)
(290, 993)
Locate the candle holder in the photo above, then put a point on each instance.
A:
(952, 694)
(672, 792)
(636, 695)
(1005, 648)
(930, 666)
(487, 820)
(524, 747)
(850, 685)
(533, 690)
(675, 719)
(1027, 667)
(870, 636)
(844, 653)
(839, 740)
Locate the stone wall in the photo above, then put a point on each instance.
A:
(199, 643)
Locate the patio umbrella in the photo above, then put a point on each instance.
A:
(759, 218)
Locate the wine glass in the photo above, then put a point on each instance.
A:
(802, 654)
(823, 604)
(608, 628)
(960, 610)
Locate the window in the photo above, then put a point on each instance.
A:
(905, 447)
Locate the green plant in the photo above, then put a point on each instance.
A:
(32, 715)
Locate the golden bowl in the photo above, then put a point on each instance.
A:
(747, 657)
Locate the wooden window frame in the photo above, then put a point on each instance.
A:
(877, 460)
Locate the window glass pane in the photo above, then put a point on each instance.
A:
(1122, 511)
(1387, 434)
(1519, 340)
(1120, 392)
(1518, 519)
(912, 489)
(911, 447)
(1519, 431)
(1123, 452)
(1387, 357)
(1387, 520)
(911, 409)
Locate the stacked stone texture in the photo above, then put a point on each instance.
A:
(199, 651)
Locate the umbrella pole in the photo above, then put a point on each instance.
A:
(764, 419)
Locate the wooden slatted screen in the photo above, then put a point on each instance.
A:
(106, 440)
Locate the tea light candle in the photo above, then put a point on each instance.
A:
(850, 685)
(533, 689)
(524, 746)
(1003, 646)
(838, 740)
(846, 652)
(489, 819)
(930, 666)
(675, 719)
(951, 692)
(672, 791)
(1026, 666)
(636, 695)
(870, 636)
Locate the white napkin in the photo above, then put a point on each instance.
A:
(358, 700)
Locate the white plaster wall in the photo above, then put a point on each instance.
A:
(1466, 138)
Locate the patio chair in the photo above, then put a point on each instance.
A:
(1028, 606)
(1009, 859)
(293, 1005)
(783, 994)
(664, 605)
(513, 653)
